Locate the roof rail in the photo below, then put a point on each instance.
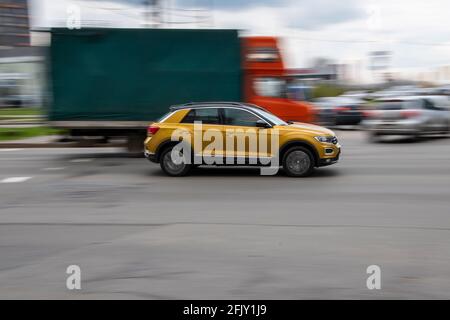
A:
(216, 102)
(184, 105)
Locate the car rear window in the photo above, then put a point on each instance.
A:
(399, 105)
(205, 116)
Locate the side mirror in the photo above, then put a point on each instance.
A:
(262, 124)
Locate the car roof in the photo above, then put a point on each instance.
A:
(217, 104)
(414, 97)
(338, 100)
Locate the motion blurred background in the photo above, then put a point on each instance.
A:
(365, 68)
(356, 50)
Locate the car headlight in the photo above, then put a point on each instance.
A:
(326, 139)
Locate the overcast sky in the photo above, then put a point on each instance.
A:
(416, 31)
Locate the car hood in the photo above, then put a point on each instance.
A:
(310, 128)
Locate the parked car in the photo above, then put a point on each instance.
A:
(409, 115)
(18, 101)
(339, 110)
(301, 147)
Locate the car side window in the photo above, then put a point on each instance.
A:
(237, 117)
(428, 105)
(206, 116)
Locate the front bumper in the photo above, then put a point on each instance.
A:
(329, 161)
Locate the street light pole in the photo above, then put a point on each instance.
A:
(153, 13)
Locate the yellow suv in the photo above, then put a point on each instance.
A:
(232, 133)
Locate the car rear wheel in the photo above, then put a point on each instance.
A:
(298, 162)
(373, 136)
(171, 166)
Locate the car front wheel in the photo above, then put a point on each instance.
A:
(298, 162)
(171, 166)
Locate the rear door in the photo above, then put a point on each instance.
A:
(391, 111)
(211, 129)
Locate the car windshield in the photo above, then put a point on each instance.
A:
(269, 116)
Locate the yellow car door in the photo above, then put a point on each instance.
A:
(244, 138)
(206, 133)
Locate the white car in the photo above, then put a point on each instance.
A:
(409, 115)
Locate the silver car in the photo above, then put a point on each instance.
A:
(409, 115)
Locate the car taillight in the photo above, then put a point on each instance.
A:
(152, 130)
(340, 109)
(370, 113)
(410, 113)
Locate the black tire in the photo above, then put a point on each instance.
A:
(298, 162)
(373, 137)
(446, 128)
(170, 168)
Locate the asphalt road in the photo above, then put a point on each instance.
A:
(226, 233)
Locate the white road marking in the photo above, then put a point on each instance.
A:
(11, 149)
(82, 160)
(53, 169)
(14, 179)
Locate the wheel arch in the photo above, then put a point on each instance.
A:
(164, 145)
(300, 143)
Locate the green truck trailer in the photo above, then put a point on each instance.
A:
(113, 82)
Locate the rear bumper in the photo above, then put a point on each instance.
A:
(400, 132)
(340, 118)
(348, 119)
(393, 128)
(150, 156)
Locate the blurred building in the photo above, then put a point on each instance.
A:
(22, 74)
(14, 23)
(380, 65)
(314, 75)
(321, 70)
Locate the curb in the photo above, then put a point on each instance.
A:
(14, 145)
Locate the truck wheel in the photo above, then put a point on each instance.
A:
(135, 144)
(172, 168)
(445, 128)
(298, 162)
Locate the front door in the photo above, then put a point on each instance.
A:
(243, 138)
